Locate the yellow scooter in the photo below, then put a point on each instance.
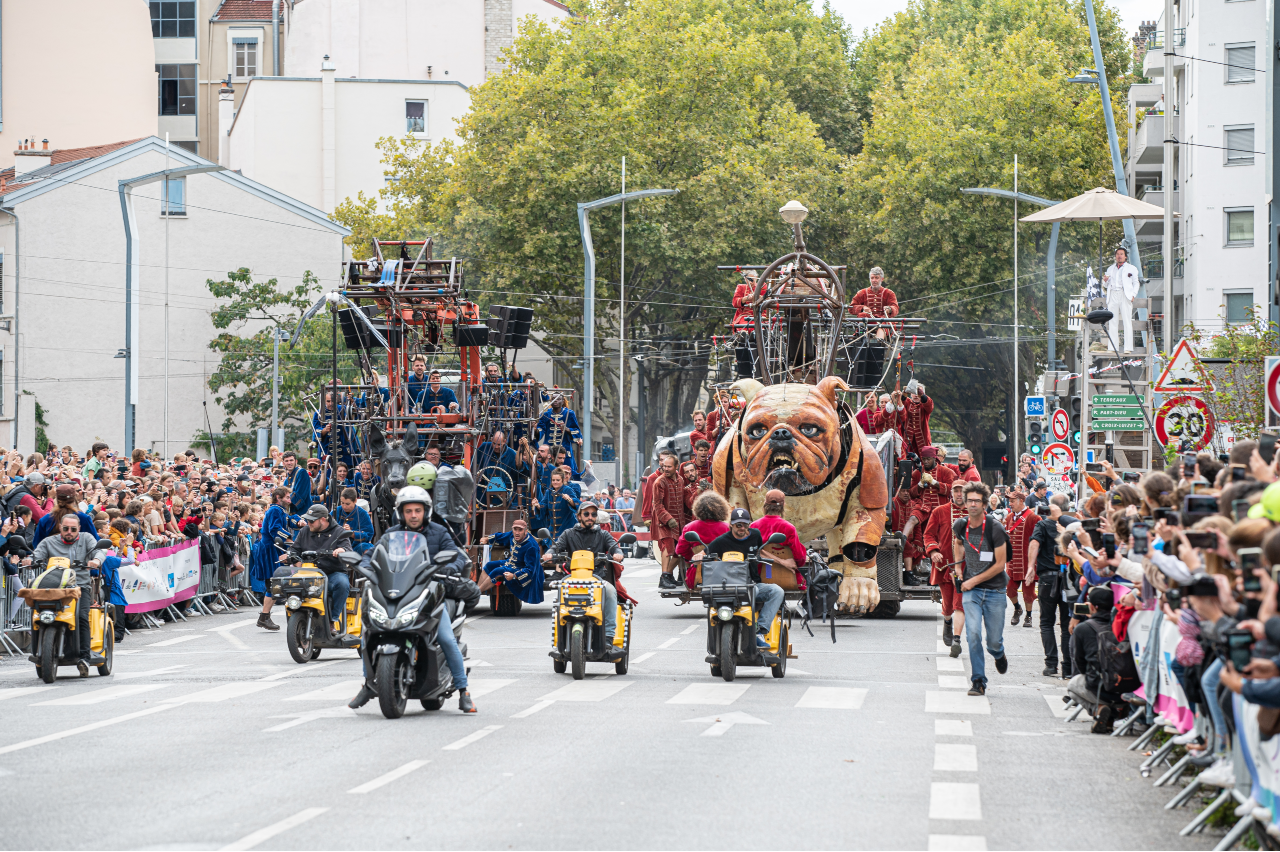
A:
(54, 641)
(577, 619)
(310, 628)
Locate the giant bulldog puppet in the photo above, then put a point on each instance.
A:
(804, 441)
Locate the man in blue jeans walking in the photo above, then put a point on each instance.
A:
(981, 542)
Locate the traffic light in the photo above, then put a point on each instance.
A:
(1035, 436)
(1073, 411)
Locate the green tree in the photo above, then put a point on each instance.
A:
(1238, 395)
(254, 311)
(953, 90)
(739, 104)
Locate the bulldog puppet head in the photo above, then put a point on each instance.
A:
(790, 433)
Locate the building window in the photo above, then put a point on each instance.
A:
(1240, 226)
(176, 190)
(1240, 58)
(1238, 305)
(173, 19)
(177, 89)
(415, 117)
(1238, 142)
(246, 56)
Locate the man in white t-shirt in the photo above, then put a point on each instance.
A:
(1121, 282)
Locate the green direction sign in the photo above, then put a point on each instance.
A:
(1106, 412)
(1116, 399)
(1116, 425)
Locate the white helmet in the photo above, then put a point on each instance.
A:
(413, 494)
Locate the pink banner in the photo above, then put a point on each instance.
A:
(161, 577)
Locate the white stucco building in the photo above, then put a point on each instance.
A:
(359, 71)
(62, 314)
(95, 80)
(1218, 116)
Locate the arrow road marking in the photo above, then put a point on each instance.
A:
(725, 721)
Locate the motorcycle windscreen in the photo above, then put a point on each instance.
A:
(402, 561)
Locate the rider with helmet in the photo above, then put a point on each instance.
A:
(586, 535)
(413, 506)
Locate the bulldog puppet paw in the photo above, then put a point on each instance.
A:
(858, 595)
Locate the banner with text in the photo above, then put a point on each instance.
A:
(1169, 699)
(161, 577)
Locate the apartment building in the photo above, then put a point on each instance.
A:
(1217, 116)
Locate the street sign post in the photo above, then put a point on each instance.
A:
(1182, 373)
(1058, 458)
(1116, 413)
(1035, 406)
(1185, 418)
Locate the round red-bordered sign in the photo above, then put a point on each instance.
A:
(1183, 417)
(1060, 424)
(1058, 458)
(1273, 387)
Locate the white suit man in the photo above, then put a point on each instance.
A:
(1121, 281)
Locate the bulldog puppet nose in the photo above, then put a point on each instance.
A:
(782, 433)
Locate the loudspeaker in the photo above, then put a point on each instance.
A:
(521, 322)
(471, 335)
(499, 322)
(356, 335)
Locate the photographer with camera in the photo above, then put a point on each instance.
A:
(1096, 654)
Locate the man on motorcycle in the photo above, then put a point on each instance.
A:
(587, 536)
(321, 533)
(745, 539)
(414, 506)
(76, 546)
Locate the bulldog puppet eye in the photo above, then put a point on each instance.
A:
(756, 432)
(809, 430)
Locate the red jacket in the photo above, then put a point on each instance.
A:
(770, 524)
(646, 496)
(870, 303)
(668, 502)
(915, 423)
(925, 500)
(938, 535)
(971, 475)
(743, 317)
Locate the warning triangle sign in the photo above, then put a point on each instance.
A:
(1182, 374)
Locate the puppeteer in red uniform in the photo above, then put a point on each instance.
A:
(1019, 523)
(937, 540)
(930, 487)
(876, 300)
(916, 410)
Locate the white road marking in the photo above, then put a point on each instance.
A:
(251, 840)
(225, 632)
(832, 698)
(478, 663)
(383, 780)
(588, 690)
(689, 629)
(483, 686)
(954, 801)
(97, 696)
(957, 843)
(304, 669)
(338, 712)
(952, 728)
(642, 657)
(470, 738)
(710, 693)
(15, 691)
(529, 711)
(147, 673)
(667, 644)
(956, 702)
(939, 629)
(955, 757)
(48, 738)
(1060, 708)
(946, 664)
(944, 650)
(223, 692)
(639, 573)
(954, 681)
(177, 640)
(333, 692)
(725, 721)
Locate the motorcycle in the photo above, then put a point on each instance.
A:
(54, 640)
(310, 627)
(730, 598)
(403, 603)
(577, 633)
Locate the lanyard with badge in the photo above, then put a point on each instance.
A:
(986, 556)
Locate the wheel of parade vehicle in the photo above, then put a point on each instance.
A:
(784, 641)
(393, 690)
(621, 666)
(577, 651)
(48, 656)
(505, 605)
(300, 647)
(728, 658)
(887, 609)
(108, 653)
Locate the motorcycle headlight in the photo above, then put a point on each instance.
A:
(293, 603)
(407, 617)
(725, 613)
(376, 611)
(47, 617)
(314, 590)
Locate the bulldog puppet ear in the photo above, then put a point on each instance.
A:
(747, 387)
(828, 387)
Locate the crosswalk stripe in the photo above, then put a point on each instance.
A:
(955, 757)
(710, 693)
(957, 843)
(944, 649)
(222, 693)
(948, 800)
(332, 692)
(175, 641)
(956, 702)
(470, 738)
(832, 698)
(98, 696)
(484, 686)
(953, 682)
(588, 690)
(147, 673)
(383, 780)
(16, 691)
(1058, 707)
(946, 664)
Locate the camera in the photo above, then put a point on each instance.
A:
(1238, 473)
(1249, 559)
(1252, 582)
(1093, 467)
(1131, 476)
(1202, 539)
(1267, 446)
(1174, 597)
(1080, 609)
(1239, 510)
(1239, 648)
(1090, 524)
(1188, 463)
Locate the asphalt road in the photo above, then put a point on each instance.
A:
(208, 736)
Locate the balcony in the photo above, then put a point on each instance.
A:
(1155, 227)
(1156, 42)
(1148, 142)
(1153, 59)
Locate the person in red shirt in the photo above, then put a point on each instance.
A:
(876, 300)
(916, 410)
(937, 545)
(772, 522)
(710, 521)
(889, 414)
(930, 484)
(699, 432)
(713, 426)
(866, 415)
(1019, 524)
(744, 297)
(669, 516)
(968, 470)
(37, 498)
(702, 459)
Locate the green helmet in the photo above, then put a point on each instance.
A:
(422, 474)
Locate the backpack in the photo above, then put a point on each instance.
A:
(15, 496)
(55, 578)
(1115, 663)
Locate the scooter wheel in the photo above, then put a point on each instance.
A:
(48, 656)
(108, 652)
(295, 635)
(578, 652)
(392, 691)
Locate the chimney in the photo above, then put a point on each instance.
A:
(28, 158)
(328, 137)
(226, 116)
